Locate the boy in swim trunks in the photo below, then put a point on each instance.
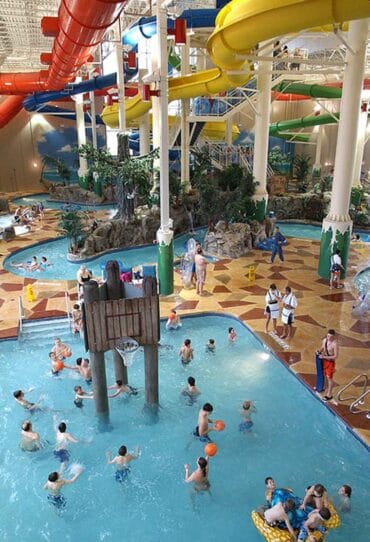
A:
(54, 484)
(314, 522)
(202, 429)
(211, 346)
(186, 352)
(80, 395)
(246, 414)
(19, 397)
(61, 350)
(328, 353)
(122, 460)
(277, 516)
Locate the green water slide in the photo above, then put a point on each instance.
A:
(314, 91)
(278, 129)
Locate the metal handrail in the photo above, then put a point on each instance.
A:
(359, 401)
(338, 395)
(66, 297)
(20, 313)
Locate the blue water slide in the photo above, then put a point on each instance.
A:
(66, 113)
(134, 144)
(146, 27)
(33, 101)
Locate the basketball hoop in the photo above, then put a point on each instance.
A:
(127, 348)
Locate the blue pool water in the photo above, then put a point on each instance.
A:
(362, 281)
(55, 252)
(295, 439)
(310, 231)
(33, 199)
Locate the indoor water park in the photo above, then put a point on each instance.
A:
(185, 270)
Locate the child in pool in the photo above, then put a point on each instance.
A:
(345, 493)
(211, 345)
(186, 352)
(122, 460)
(314, 522)
(232, 334)
(80, 395)
(173, 321)
(77, 318)
(246, 413)
(54, 485)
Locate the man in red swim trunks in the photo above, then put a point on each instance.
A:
(329, 353)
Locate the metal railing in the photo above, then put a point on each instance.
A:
(359, 401)
(355, 398)
(20, 314)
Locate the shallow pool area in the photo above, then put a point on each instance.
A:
(297, 446)
(45, 198)
(362, 281)
(60, 268)
(311, 231)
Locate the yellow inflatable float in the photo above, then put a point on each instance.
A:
(274, 534)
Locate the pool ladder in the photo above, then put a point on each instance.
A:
(356, 400)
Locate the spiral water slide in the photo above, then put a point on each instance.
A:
(240, 25)
(80, 28)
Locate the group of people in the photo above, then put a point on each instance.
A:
(31, 440)
(301, 517)
(34, 264)
(281, 55)
(289, 303)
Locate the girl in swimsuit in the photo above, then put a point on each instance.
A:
(200, 476)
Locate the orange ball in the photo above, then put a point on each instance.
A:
(59, 365)
(210, 449)
(219, 425)
(67, 353)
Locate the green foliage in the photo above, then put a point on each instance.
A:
(59, 165)
(324, 185)
(240, 207)
(301, 168)
(357, 195)
(175, 186)
(74, 225)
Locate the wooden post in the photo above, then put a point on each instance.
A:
(99, 378)
(115, 291)
(151, 355)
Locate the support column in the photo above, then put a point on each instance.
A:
(93, 118)
(317, 165)
(144, 133)
(151, 358)
(114, 291)
(261, 137)
(81, 132)
(165, 233)
(337, 226)
(185, 136)
(120, 84)
(361, 141)
(229, 132)
(97, 362)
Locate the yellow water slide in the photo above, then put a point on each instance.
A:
(240, 26)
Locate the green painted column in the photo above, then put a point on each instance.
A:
(165, 261)
(334, 236)
(260, 207)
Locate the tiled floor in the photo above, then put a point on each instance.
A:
(228, 291)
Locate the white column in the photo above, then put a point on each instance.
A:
(317, 164)
(120, 85)
(93, 119)
(361, 140)
(185, 109)
(349, 117)
(81, 131)
(229, 132)
(261, 137)
(156, 114)
(144, 132)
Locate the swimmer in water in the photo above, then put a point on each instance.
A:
(173, 321)
(63, 439)
(121, 460)
(19, 397)
(30, 440)
(202, 430)
(316, 497)
(61, 350)
(191, 388)
(200, 476)
(246, 414)
(80, 395)
(231, 335)
(211, 346)
(186, 352)
(54, 485)
(121, 388)
(345, 493)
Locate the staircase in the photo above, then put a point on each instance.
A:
(195, 129)
(46, 330)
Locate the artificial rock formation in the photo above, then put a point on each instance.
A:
(229, 240)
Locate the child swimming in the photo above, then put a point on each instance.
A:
(186, 352)
(173, 321)
(122, 459)
(246, 413)
(211, 345)
(232, 334)
(345, 493)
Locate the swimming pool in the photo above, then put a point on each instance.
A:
(62, 269)
(362, 281)
(311, 231)
(297, 446)
(34, 199)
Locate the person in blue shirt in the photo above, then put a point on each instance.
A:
(278, 241)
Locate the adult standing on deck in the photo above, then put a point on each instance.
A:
(328, 353)
(290, 303)
(277, 248)
(200, 269)
(272, 299)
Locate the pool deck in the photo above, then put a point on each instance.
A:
(228, 291)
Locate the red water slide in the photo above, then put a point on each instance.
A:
(81, 25)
